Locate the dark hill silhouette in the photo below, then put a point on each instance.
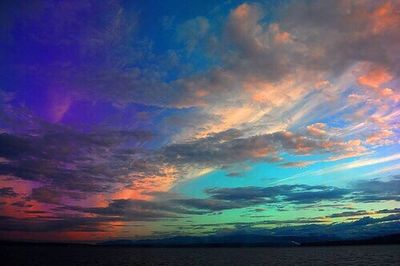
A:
(247, 240)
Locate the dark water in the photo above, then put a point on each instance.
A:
(90, 256)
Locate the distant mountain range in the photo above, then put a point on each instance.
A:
(249, 240)
(235, 240)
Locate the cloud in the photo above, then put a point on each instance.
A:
(99, 111)
(396, 210)
(363, 213)
(297, 194)
(47, 194)
(375, 77)
(218, 199)
(364, 227)
(380, 137)
(191, 32)
(65, 224)
(349, 214)
(297, 41)
(377, 190)
(264, 85)
(242, 197)
(317, 129)
(7, 192)
(86, 55)
(171, 206)
(134, 210)
(215, 205)
(343, 47)
(351, 165)
(230, 147)
(72, 160)
(139, 210)
(385, 169)
(297, 164)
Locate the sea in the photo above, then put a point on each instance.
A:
(124, 256)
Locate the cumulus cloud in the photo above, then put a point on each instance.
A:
(279, 75)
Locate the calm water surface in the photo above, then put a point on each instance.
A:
(90, 256)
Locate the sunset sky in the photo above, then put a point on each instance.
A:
(150, 119)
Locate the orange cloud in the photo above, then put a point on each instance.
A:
(143, 187)
(279, 36)
(230, 117)
(375, 77)
(201, 93)
(261, 152)
(380, 137)
(385, 17)
(242, 11)
(317, 129)
(275, 94)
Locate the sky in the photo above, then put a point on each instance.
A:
(151, 119)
